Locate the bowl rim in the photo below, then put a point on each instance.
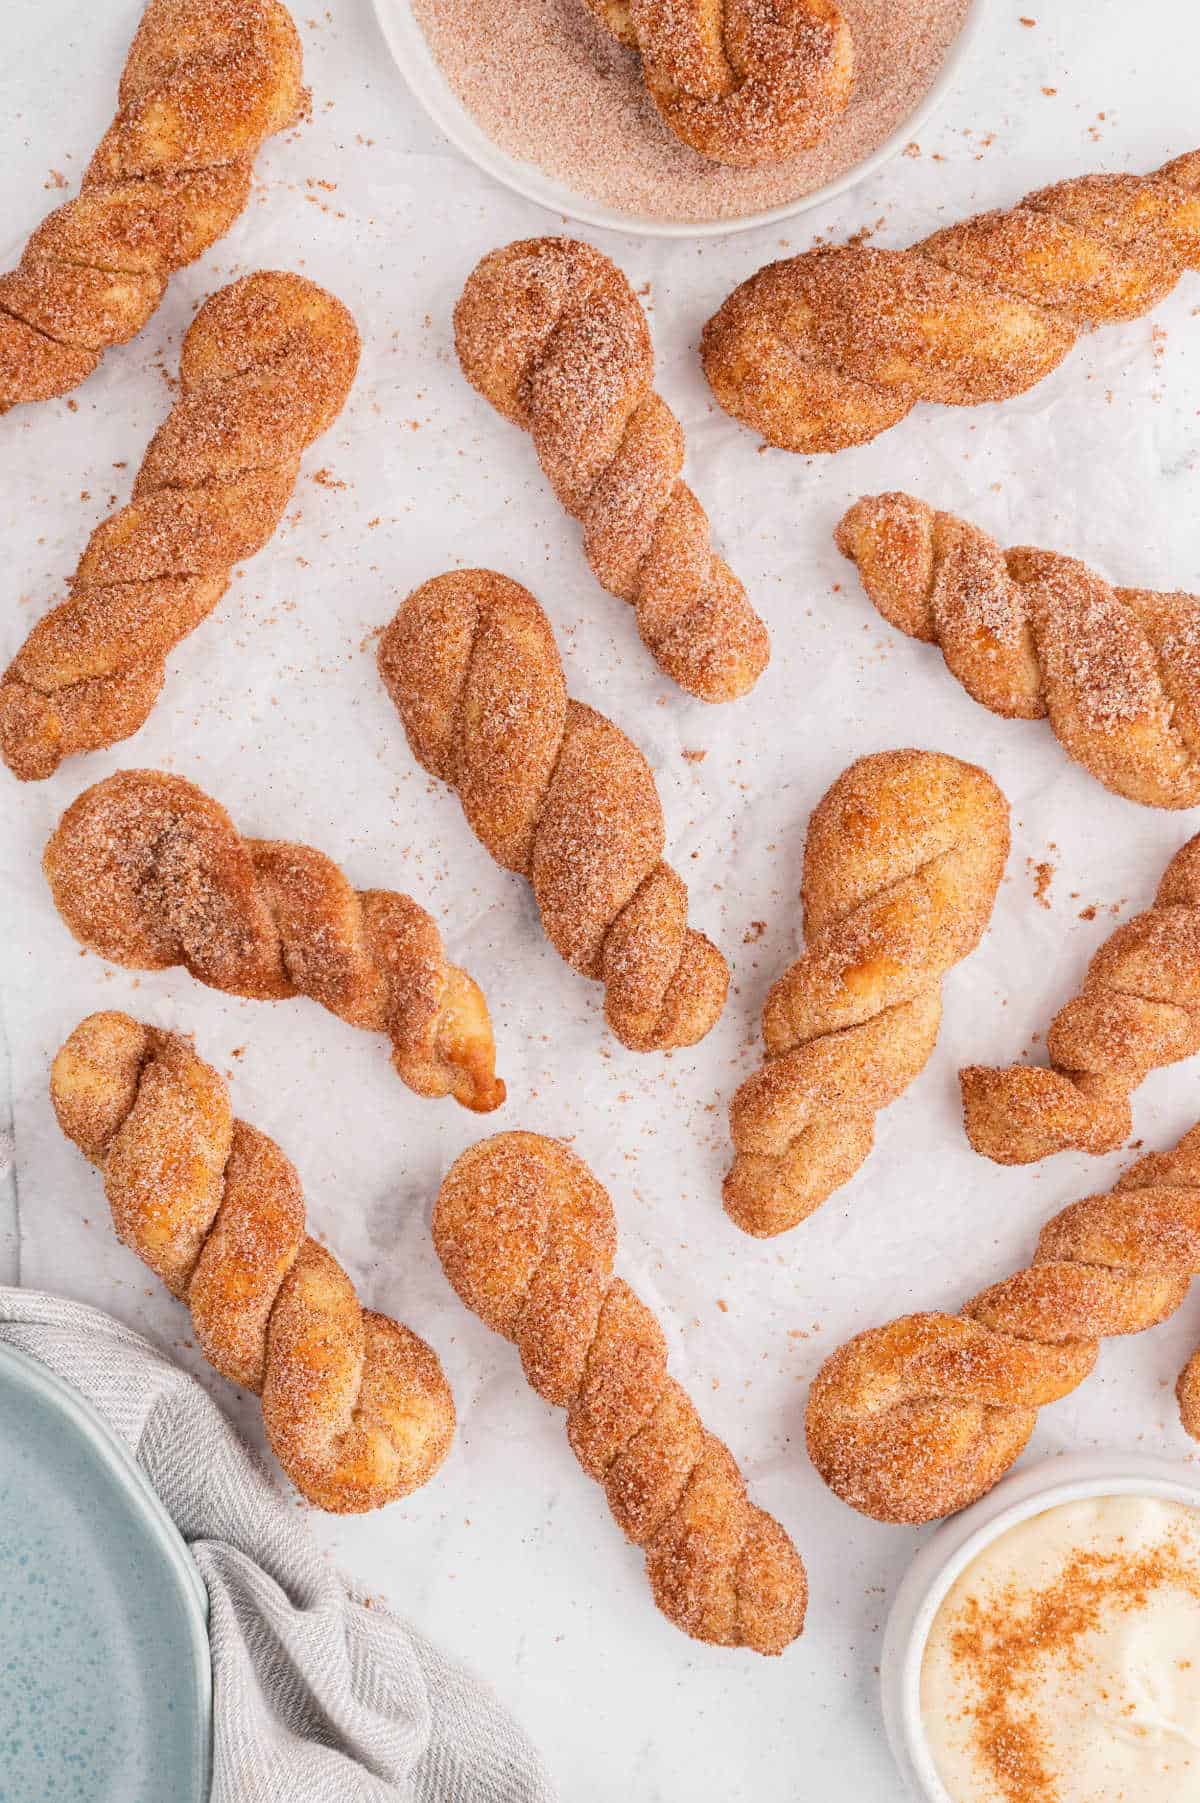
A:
(422, 73)
(29, 1373)
(1051, 1481)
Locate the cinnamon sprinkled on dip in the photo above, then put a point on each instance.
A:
(552, 87)
(1064, 1664)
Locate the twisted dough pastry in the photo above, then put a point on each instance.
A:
(1139, 1007)
(148, 871)
(904, 856)
(920, 1417)
(1030, 633)
(557, 793)
(204, 83)
(264, 369)
(356, 1407)
(740, 83)
(831, 348)
(526, 1236)
(550, 332)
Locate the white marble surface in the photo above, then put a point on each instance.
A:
(274, 706)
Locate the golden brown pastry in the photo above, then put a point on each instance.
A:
(740, 83)
(550, 332)
(1032, 634)
(904, 856)
(265, 367)
(204, 83)
(526, 1236)
(148, 871)
(920, 1417)
(831, 348)
(1138, 1008)
(356, 1407)
(557, 793)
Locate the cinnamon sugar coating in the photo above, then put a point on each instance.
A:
(205, 82)
(527, 1238)
(550, 332)
(557, 793)
(1138, 1008)
(831, 348)
(1033, 634)
(147, 870)
(356, 1407)
(918, 1418)
(741, 81)
(903, 859)
(265, 367)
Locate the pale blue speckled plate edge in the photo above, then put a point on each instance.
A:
(30, 1374)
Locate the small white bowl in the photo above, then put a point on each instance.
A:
(419, 66)
(951, 1549)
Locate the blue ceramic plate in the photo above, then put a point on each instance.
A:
(105, 1685)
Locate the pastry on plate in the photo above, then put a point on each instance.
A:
(355, 1405)
(738, 82)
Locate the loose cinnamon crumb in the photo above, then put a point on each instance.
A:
(1043, 876)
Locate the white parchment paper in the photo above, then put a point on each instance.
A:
(274, 706)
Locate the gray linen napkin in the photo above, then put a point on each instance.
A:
(316, 1698)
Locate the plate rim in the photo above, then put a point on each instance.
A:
(32, 1375)
(422, 74)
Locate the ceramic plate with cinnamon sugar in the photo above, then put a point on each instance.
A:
(539, 95)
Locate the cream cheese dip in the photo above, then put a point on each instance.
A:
(1063, 1665)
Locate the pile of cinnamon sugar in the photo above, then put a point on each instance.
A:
(549, 85)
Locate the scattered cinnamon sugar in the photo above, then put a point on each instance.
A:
(549, 85)
(1043, 876)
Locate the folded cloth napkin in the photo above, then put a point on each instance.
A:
(316, 1698)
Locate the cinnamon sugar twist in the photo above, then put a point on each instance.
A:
(557, 793)
(526, 1236)
(831, 348)
(740, 82)
(1031, 634)
(550, 332)
(903, 859)
(265, 367)
(147, 870)
(205, 82)
(918, 1418)
(356, 1407)
(1138, 1008)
